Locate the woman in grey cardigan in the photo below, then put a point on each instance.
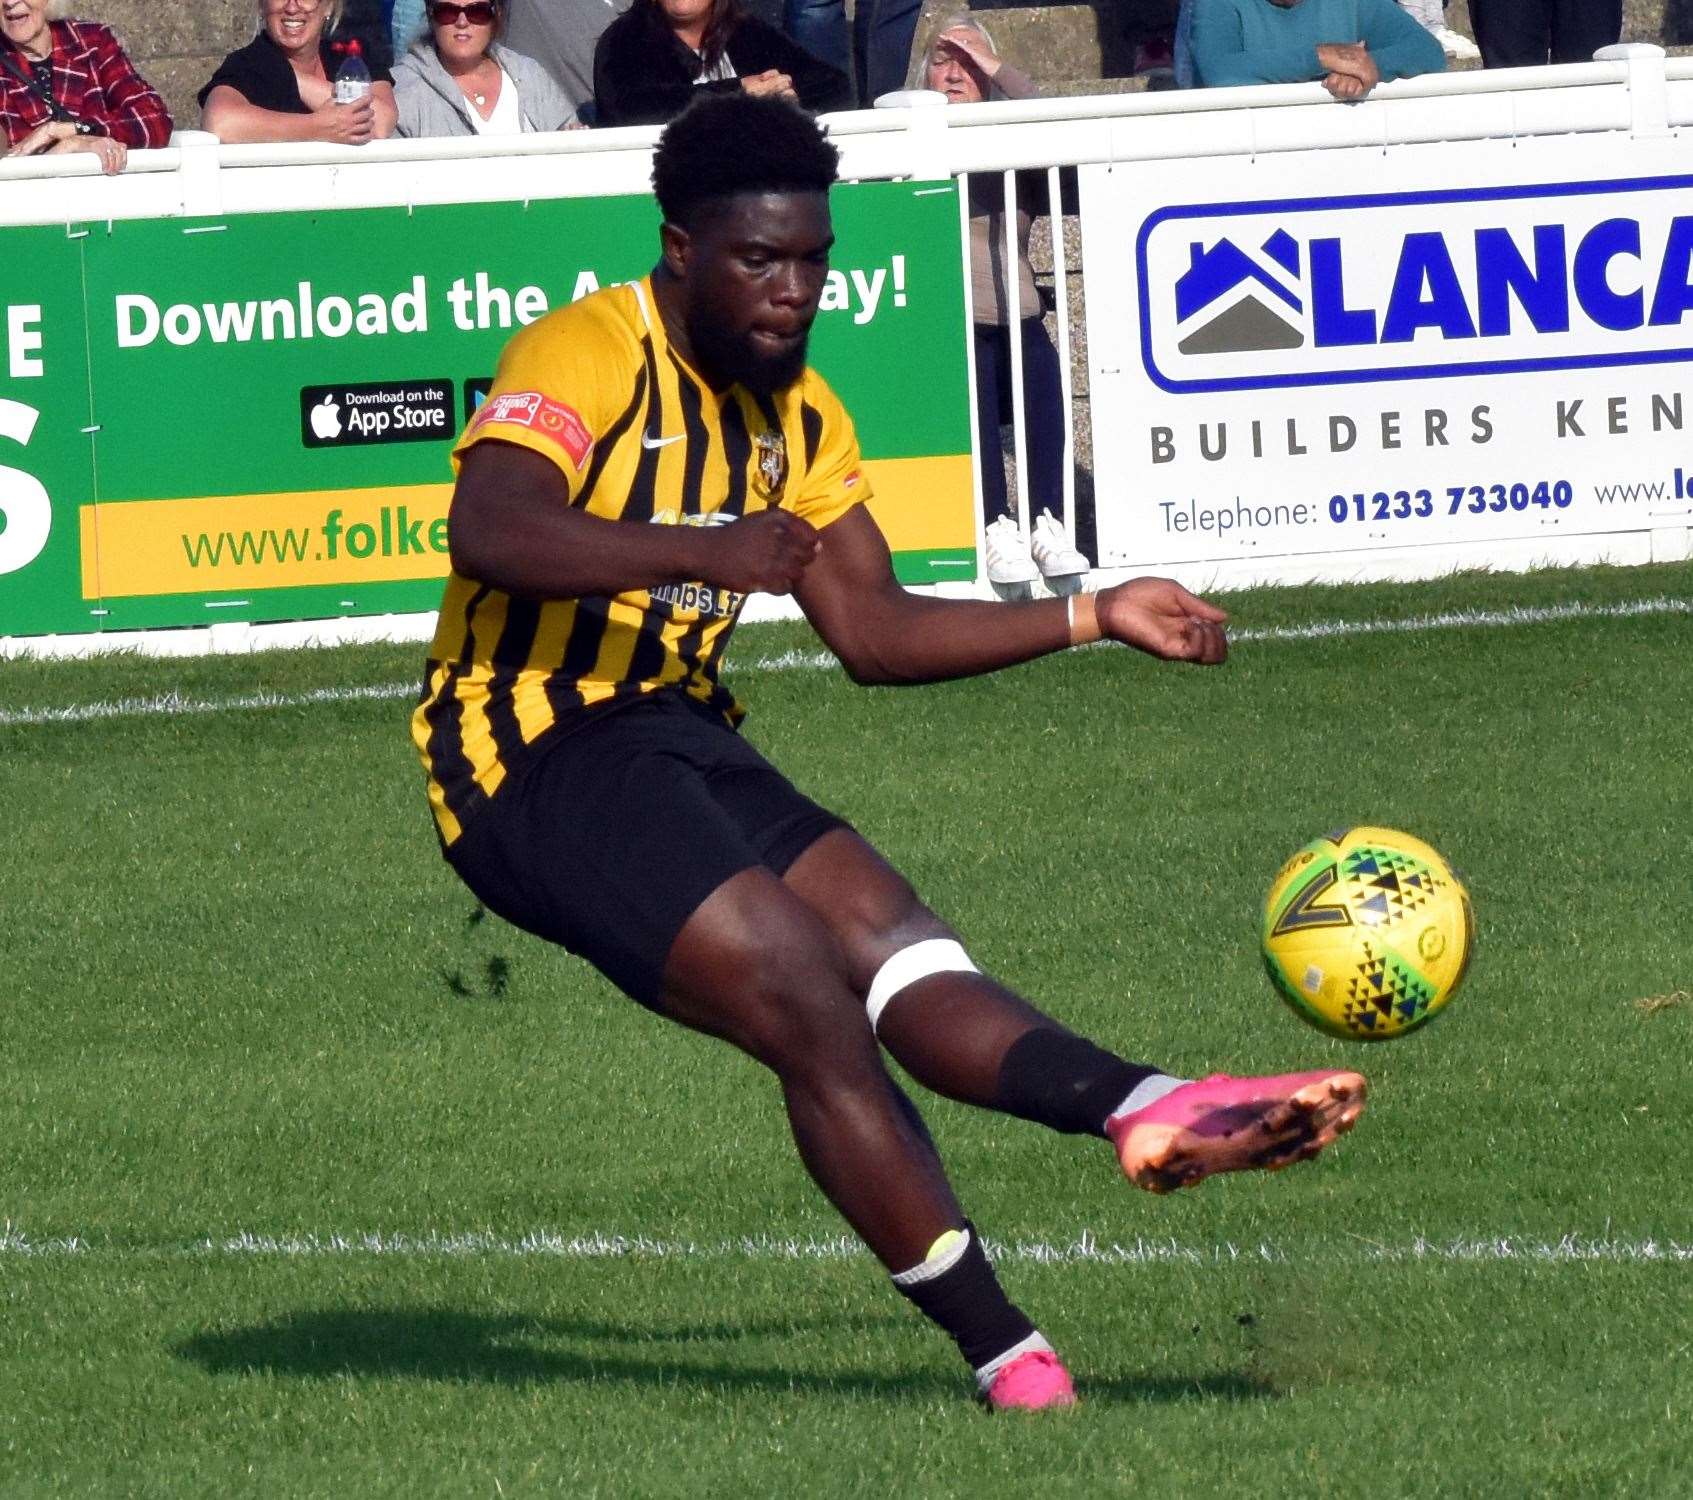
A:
(458, 80)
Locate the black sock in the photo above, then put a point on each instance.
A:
(967, 1301)
(1065, 1082)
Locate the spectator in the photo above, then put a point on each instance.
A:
(652, 58)
(281, 85)
(408, 20)
(963, 64)
(1431, 16)
(67, 86)
(459, 80)
(1531, 33)
(1346, 45)
(369, 21)
(1149, 26)
(561, 35)
(882, 33)
(1678, 23)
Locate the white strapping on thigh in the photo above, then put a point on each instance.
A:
(919, 961)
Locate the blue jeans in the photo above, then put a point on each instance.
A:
(882, 33)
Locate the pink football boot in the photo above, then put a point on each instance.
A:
(1031, 1382)
(1224, 1124)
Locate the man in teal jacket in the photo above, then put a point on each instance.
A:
(1347, 45)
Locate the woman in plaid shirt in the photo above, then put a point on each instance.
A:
(68, 86)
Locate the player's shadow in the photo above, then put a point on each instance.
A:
(446, 1344)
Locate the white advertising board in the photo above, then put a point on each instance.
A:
(1312, 354)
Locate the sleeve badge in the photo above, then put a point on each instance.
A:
(540, 413)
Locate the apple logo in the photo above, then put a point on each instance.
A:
(326, 420)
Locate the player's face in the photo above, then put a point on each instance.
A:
(753, 273)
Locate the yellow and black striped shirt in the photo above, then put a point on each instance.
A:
(596, 388)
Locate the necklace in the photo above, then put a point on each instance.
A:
(478, 97)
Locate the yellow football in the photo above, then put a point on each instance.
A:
(1367, 933)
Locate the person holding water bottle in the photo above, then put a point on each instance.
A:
(298, 81)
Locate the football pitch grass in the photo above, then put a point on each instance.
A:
(314, 1183)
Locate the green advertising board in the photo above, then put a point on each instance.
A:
(249, 418)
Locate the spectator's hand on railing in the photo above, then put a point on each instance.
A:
(345, 124)
(60, 138)
(113, 156)
(1349, 60)
(771, 81)
(1344, 86)
(43, 138)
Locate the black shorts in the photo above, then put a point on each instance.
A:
(609, 837)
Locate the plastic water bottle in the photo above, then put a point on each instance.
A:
(352, 78)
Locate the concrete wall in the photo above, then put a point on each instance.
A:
(177, 45)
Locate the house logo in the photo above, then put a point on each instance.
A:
(1230, 302)
(1415, 286)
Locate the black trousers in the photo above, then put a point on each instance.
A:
(1531, 33)
(1043, 414)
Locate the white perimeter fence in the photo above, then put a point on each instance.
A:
(1444, 327)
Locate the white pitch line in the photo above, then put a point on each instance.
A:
(169, 705)
(172, 705)
(1087, 1249)
(1473, 619)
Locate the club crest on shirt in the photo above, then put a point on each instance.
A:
(772, 465)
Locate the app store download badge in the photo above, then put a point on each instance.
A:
(388, 411)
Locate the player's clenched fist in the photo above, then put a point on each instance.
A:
(763, 553)
(1160, 617)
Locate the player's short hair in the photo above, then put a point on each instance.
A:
(726, 144)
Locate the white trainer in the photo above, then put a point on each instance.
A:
(1053, 552)
(1008, 553)
(1456, 45)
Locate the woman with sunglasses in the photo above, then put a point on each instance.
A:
(281, 85)
(458, 79)
(651, 59)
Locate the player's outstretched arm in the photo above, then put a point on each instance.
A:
(512, 526)
(883, 634)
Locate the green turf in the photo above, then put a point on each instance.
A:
(247, 998)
